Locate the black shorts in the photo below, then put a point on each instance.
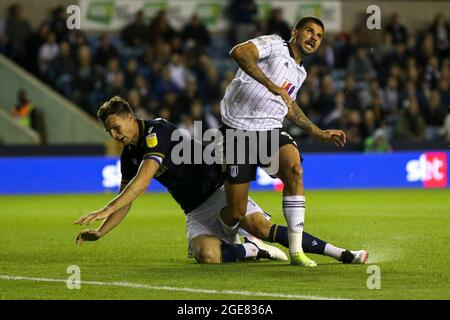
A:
(250, 153)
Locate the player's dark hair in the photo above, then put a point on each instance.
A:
(116, 105)
(303, 21)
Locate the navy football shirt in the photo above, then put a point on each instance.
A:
(189, 184)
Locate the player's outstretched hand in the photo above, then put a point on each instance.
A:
(88, 218)
(335, 136)
(88, 235)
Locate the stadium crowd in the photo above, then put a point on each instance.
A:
(393, 86)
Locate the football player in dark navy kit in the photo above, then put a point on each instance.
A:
(197, 188)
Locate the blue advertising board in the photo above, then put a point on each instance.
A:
(52, 175)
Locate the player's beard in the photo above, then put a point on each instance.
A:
(304, 53)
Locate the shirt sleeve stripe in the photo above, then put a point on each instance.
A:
(156, 158)
(158, 154)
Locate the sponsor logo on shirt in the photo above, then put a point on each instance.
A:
(289, 87)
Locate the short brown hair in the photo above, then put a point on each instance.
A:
(115, 105)
(303, 21)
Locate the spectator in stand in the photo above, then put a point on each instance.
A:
(351, 123)
(143, 87)
(243, 14)
(18, 31)
(86, 79)
(208, 80)
(377, 142)
(58, 23)
(62, 70)
(325, 103)
(373, 116)
(112, 69)
(213, 119)
(391, 98)
(332, 119)
(77, 39)
(435, 115)
(360, 65)
(426, 49)
(23, 109)
(186, 98)
(160, 28)
(384, 49)
(134, 99)
(352, 99)
(369, 123)
(34, 43)
(136, 32)
(397, 30)
(28, 115)
(170, 103)
(47, 53)
(440, 30)
(195, 31)
(117, 86)
(105, 51)
(444, 90)
(179, 74)
(164, 84)
(432, 74)
(369, 91)
(411, 125)
(277, 25)
(131, 72)
(3, 37)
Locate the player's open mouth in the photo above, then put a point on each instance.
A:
(309, 45)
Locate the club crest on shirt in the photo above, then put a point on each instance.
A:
(233, 171)
(151, 140)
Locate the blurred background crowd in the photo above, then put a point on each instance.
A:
(394, 87)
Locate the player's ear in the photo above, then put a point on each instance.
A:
(294, 34)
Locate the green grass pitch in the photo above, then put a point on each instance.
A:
(405, 231)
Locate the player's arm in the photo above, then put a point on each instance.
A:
(298, 117)
(134, 189)
(107, 225)
(246, 56)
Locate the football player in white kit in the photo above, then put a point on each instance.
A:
(256, 102)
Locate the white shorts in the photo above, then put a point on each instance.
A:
(204, 220)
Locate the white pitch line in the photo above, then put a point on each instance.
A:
(167, 288)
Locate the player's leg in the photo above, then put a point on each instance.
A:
(212, 250)
(291, 174)
(236, 199)
(209, 243)
(206, 249)
(238, 176)
(259, 226)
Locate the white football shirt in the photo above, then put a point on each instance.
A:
(247, 104)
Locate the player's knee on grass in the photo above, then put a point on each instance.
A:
(206, 249)
(208, 255)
